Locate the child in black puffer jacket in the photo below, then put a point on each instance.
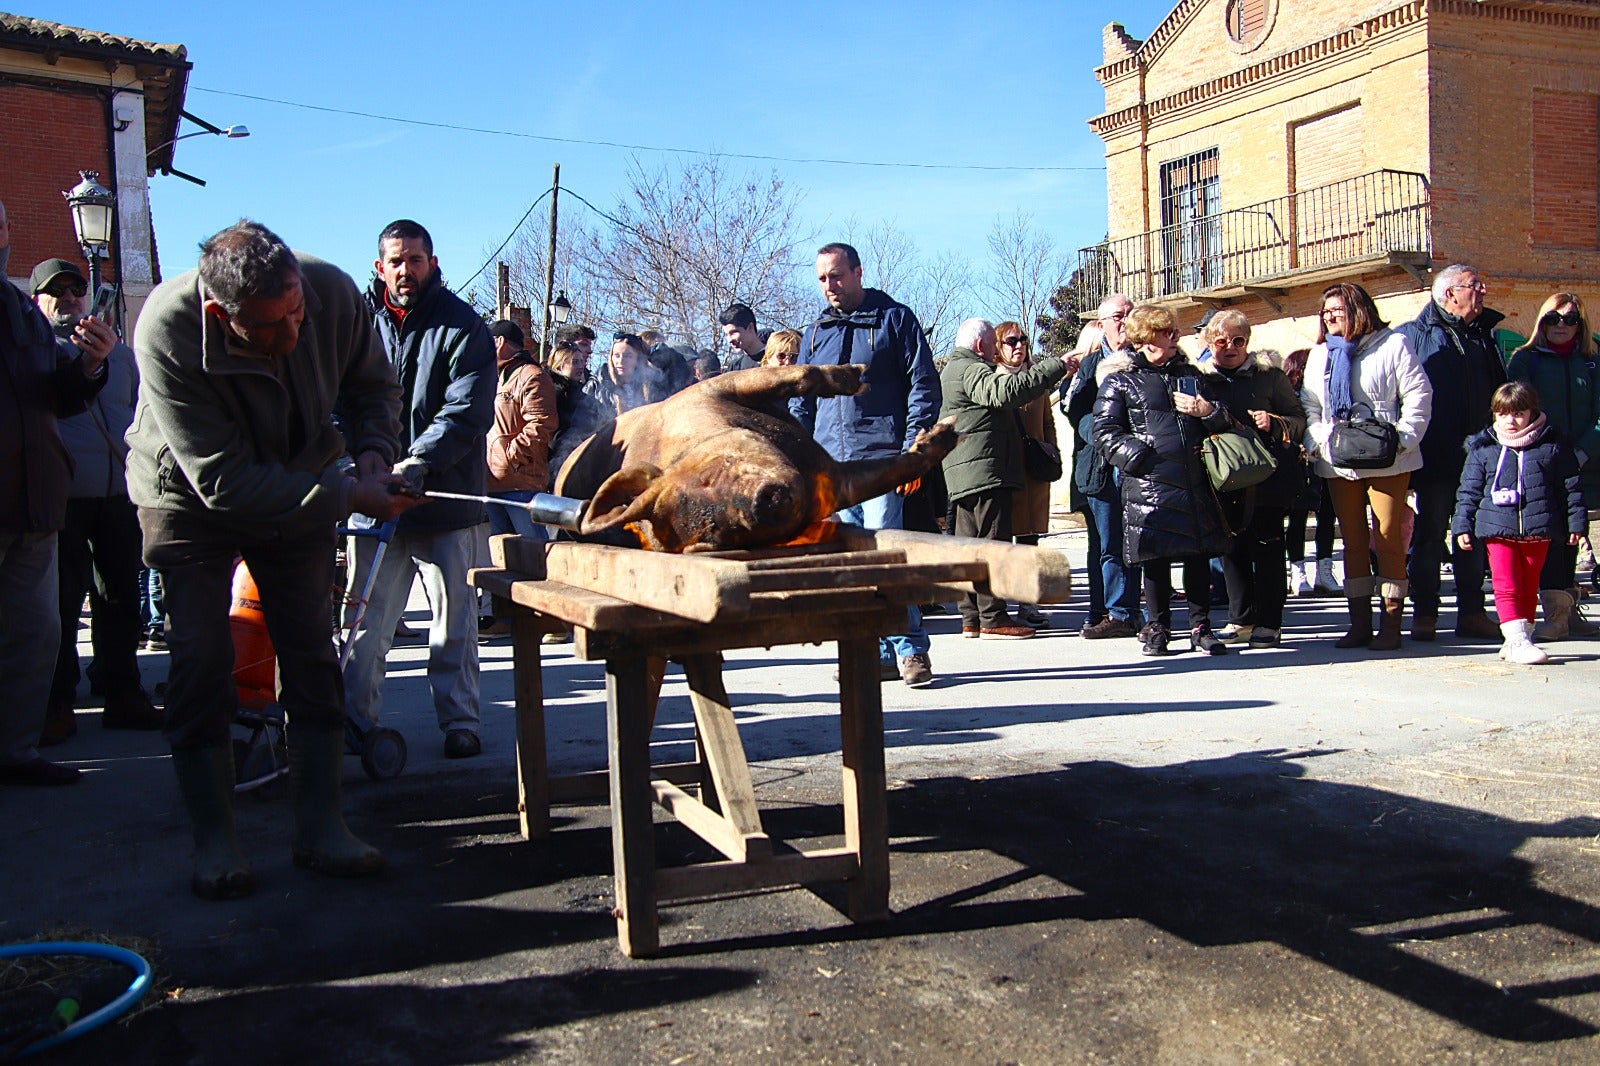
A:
(1519, 491)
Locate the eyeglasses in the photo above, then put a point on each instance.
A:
(1231, 342)
(1333, 312)
(58, 291)
(1554, 318)
(1476, 286)
(1118, 317)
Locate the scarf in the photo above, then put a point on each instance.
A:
(1529, 435)
(1340, 398)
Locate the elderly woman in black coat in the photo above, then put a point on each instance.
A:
(1152, 413)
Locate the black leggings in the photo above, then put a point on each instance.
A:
(1196, 587)
(1295, 541)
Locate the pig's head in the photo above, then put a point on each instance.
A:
(710, 501)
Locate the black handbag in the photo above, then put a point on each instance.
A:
(1041, 460)
(1362, 443)
(1291, 474)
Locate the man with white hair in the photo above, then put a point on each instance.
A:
(986, 466)
(1454, 340)
(1113, 584)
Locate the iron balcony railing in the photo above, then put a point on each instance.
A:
(1347, 221)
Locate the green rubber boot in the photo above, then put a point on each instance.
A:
(322, 842)
(205, 780)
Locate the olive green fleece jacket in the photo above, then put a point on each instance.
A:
(225, 434)
(984, 403)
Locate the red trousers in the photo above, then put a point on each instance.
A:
(1514, 567)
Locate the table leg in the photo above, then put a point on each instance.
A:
(633, 852)
(533, 768)
(866, 808)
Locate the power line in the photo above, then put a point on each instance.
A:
(507, 241)
(632, 147)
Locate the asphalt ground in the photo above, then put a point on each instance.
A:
(1287, 855)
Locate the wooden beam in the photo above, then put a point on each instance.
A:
(633, 845)
(1267, 296)
(684, 585)
(824, 866)
(866, 805)
(533, 768)
(710, 826)
(1016, 571)
(720, 743)
(593, 786)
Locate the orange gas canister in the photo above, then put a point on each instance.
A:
(254, 662)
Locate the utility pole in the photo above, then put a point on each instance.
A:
(547, 342)
(502, 291)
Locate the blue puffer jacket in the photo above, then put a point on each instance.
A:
(444, 358)
(1549, 503)
(1463, 378)
(902, 394)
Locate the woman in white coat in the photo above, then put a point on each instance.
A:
(1359, 363)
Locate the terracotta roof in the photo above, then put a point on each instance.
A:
(163, 68)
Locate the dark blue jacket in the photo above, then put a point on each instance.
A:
(902, 394)
(1550, 502)
(444, 358)
(1464, 371)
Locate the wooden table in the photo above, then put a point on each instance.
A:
(638, 610)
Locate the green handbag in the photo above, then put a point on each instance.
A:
(1236, 459)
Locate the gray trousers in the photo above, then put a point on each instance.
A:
(30, 635)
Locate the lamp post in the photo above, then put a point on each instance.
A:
(93, 217)
(558, 310)
(231, 132)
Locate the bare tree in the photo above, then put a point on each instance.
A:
(937, 289)
(1024, 271)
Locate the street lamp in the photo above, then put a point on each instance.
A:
(556, 312)
(560, 308)
(93, 215)
(206, 130)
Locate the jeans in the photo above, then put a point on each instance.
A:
(984, 516)
(888, 512)
(152, 602)
(1113, 584)
(1254, 571)
(98, 553)
(1436, 504)
(30, 633)
(514, 519)
(295, 581)
(441, 558)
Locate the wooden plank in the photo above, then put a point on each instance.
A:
(838, 558)
(533, 768)
(786, 551)
(866, 805)
(719, 740)
(867, 576)
(1016, 571)
(594, 786)
(824, 866)
(778, 604)
(633, 847)
(574, 606)
(690, 586)
(710, 826)
(882, 620)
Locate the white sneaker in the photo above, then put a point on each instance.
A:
(1299, 580)
(1518, 648)
(1232, 634)
(1327, 584)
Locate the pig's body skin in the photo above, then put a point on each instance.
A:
(722, 465)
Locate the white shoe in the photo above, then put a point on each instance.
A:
(1327, 584)
(1299, 580)
(1518, 648)
(1232, 634)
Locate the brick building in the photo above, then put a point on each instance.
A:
(74, 100)
(1258, 150)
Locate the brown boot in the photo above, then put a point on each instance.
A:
(1424, 626)
(1358, 593)
(1388, 638)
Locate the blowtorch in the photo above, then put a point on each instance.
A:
(563, 512)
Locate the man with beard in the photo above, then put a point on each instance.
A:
(444, 358)
(98, 548)
(36, 387)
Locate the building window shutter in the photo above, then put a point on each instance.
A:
(1246, 19)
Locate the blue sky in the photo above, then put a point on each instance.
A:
(995, 83)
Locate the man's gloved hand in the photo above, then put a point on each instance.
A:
(413, 470)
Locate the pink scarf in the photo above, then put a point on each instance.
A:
(1523, 439)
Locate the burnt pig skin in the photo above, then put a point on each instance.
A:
(723, 465)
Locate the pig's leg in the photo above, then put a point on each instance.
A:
(774, 386)
(866, 479)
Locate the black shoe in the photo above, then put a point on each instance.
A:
(38, 772)
(1204, 640)
(132, 709)
(1155, 641)
(460, 744)
(1031, 616)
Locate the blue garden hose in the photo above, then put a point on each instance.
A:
(136, 988)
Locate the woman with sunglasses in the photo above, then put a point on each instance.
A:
(1030, 505)
(1261, 400)
(1560, 361)
(1360, 364)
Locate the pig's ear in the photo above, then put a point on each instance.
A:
(621, 499)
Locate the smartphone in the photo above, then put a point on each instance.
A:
(1189, 386)
(105, 298)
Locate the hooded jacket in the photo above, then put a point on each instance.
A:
(1549, 502)
(246, 441)
(1169, 510)
(1569, 395)
(1464, 367)
(36, 388)
(902, 394)
(444, 358)
(984, 402)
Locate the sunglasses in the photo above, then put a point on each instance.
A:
(1554, 318)
(631, 338)
(1231, 342)
(1012, 341)
(58, 291)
